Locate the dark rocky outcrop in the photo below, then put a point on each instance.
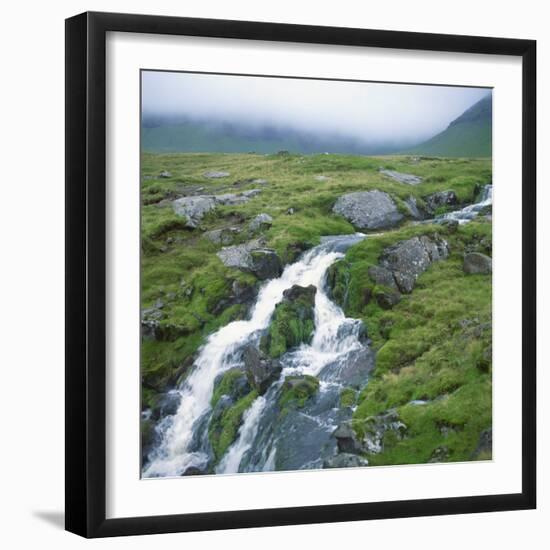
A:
(439, 199)
(261, 371)
(368, 209)
(293, 321)
(475, 262)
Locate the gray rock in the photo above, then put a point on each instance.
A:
(382, 276)
(347, 439)
(321, 178)
(165, 174)
(214, 174)
(194, 208)
(412, 207)
(253, 257)
(368, 209)
(345, 460)
(290, 211)
(409, 179)
(261, 371)
(475, 262)
(441, 198)
(261, 221)
(265, 263)
(351, 370)
(386, 300)
(376, 427)
(408, 259)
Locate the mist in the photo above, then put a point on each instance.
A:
(365, 112)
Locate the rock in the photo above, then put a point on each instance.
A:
(261, 221)
(293, 321)
(224, 236)
(260, 181)
(216, 174)
(368, 209)
(194, 208)
(290, 211)
(441, 198)
(386, 300)
(376, 428)
(484, 449)
(345, 460)
(475, 262)
(165, 174)
(347, 439)
(265, 263)
(352, 370)
(232, 384)
(261, 371)
(412, 207)
(408, 259)
(150, 321)
(409, 179)
(193, 471)
(439, 454)
(382, 276)
(296, 390)
(321, 178)
(450, 224)
(239, 255)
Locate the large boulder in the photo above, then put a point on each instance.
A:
(368, 209)
(253, 257)
(409, 179)
(293, 321)
(347, 439)
(475, 262)
(261, 371)
(408, 259)
(265, 263)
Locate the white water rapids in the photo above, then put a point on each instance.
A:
(172, 456)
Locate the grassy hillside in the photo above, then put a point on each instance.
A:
(470, 135)
(430, 346)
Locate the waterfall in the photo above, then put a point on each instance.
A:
(469, 212)
(176, 451)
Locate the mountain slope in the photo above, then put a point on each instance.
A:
(469, 135)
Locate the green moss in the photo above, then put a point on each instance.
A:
(297, 390)
(348, 397)
(224, 432)
(226, 385)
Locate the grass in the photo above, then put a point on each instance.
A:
(422, 350)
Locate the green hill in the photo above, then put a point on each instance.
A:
(469, 135)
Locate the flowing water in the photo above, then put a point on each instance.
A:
(183, 436)
(267, 440)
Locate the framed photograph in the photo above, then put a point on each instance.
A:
(300, 274)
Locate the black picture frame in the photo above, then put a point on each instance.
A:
(86, 274)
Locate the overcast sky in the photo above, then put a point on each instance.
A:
(371, 112)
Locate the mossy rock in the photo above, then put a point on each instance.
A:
(293, 321)
(232, 383)
(297, 390)
(348, 397)
(224, 427)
